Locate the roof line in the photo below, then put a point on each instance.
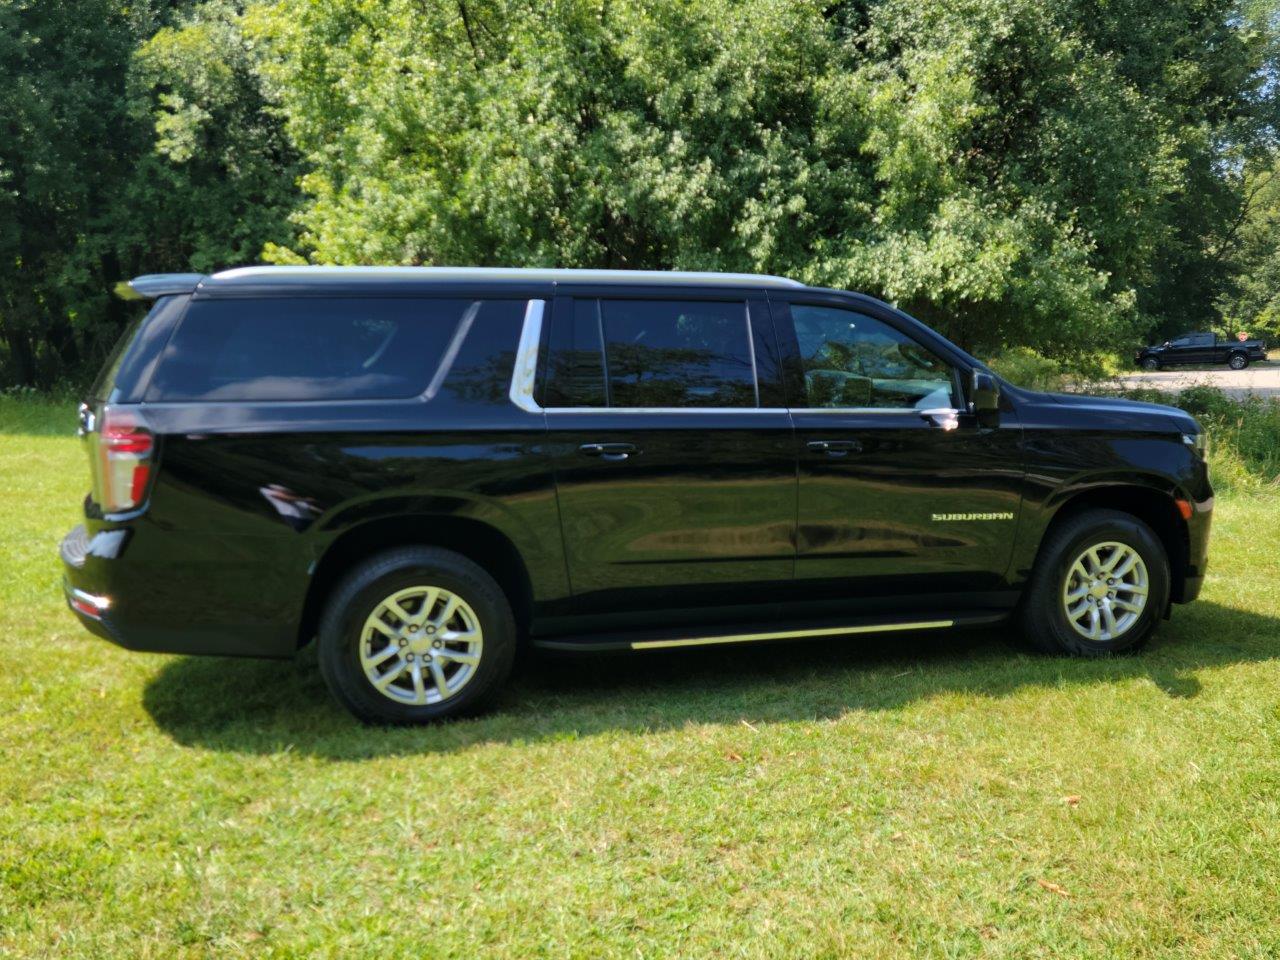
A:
(534, 274)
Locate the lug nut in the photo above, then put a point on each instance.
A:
(409, 657)
(403, 642)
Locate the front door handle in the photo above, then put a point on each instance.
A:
(609, 451)
(835, 448)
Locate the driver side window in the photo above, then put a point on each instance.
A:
(851, 360)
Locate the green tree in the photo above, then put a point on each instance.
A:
(1251, 304)
(1013, 171)
(63, 111)
(135, 147)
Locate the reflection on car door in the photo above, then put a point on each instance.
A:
(901, 491)
(675, 467)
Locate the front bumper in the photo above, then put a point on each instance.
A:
(1199, 525)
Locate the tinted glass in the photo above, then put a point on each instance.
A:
(307, 348)
(486, 356)
(575, 364)
(106, 379)
(670, 353)
(851, 360)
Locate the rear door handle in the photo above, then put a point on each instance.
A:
(835, 448)
(609, 451)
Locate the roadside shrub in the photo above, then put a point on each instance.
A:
(1025, 367)
(1081, 372)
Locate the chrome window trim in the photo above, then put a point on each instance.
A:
(685, 410)
(922, 411)
(524, 376)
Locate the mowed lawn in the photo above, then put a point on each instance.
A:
(937, 797)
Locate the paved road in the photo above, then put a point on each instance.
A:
(1262, 379)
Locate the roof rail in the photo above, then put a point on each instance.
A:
(302, 274)
(149, 286)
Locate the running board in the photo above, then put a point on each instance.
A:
(658, 640)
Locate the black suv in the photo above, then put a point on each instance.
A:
(425, 468)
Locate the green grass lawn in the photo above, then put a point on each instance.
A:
(939, 797)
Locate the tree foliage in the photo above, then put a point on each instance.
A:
(139, 141)
(1059, 175)
(1013, 171)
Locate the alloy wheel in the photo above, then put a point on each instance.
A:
(421, 645)
(1105, 591)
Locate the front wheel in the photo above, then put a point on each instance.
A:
(1238, 361)
(414, 635)
(1150, 363)
(1100, 586)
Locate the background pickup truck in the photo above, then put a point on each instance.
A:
(1201, 348)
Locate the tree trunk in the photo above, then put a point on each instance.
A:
(21, 358)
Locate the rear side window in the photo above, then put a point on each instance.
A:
(309, 348)
(672, 353)
(652, 353)
(575, 377)
(128, 367)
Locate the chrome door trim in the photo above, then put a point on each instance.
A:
(525, 374)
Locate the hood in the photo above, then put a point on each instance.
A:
(1121, 413)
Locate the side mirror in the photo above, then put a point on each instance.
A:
(984, 398)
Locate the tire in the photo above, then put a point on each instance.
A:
(1237, 361)
(478, 628)
(1150, 363)
(1043, 615)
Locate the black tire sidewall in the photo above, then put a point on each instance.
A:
(1150, 363)
(372, 581)
(1043, 615)
(1238, 362)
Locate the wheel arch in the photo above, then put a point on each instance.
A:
(474, 539)
(1157, 507)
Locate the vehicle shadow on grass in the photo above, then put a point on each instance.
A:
(255, 706)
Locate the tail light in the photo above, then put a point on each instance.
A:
(125, 455)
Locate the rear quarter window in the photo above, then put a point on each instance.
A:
(312, 348)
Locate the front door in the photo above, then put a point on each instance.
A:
(902, 493)
(674, 453)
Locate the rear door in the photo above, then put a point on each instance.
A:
(1202, 349)
(674, 456)
(902, 493)
(1183, 350)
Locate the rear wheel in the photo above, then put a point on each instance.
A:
(1100, 586)
(1237, 361)
(414, 635)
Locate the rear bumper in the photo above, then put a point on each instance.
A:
(123, 602)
